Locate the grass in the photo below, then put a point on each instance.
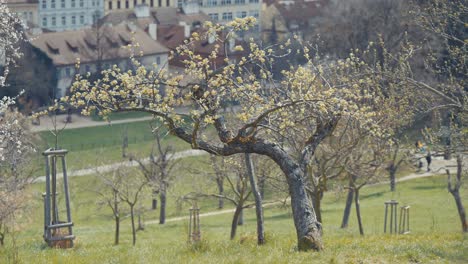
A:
(88, 146)
(435, 230)
(121, 116)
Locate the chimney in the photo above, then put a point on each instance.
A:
(153, 31)
(142, 11)
(186, 28)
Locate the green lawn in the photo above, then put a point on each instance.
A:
(121, 116)
(92, 146)
(435, 229)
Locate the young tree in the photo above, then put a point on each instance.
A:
(16, 172)
(158, 173)
(306, 93)
(108, 192)
(133, 186)
(454, 189)
(219, 168)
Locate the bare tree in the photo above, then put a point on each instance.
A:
(157, 172)
(108, 192)
(454, 189)
(130, 192)
(16, 171)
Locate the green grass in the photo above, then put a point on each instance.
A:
(435, 229)
(92, 146)
(121, 116)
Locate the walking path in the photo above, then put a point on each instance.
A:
(438, 167)
(116, 166)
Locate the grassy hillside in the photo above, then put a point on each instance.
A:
(435, 230)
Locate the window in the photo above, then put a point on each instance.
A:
(44, 21)
(158, 60)
(62, 3)
(253, 1)
(225, 2)
(81, 19)
(143, 1)
(118, 4)
(110, 5)
(241, 14)
(73, 20)
(227, 16)
(54, 21)
(212, 3)
(239, 2)
(126, 4)
(214, 16)
(44, 4)
(64, 20)
(159, 3)
(87, 68)
(180, 3)
(73, 3)
(134, 3)
(168, 3)
(254, 13)
(52, 4)
(151, 3)
(93, 3)
(67, 72)
(81, 3)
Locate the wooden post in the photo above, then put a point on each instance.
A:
(393, 216)
(52, 224)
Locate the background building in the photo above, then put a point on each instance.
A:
(115, 5)
(60, 15)
(27, 10)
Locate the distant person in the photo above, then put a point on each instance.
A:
(429, 160)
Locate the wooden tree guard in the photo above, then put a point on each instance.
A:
(56, 233)
(393, 216)
(404, 220)
(194, 224)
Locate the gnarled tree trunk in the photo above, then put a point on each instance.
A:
(455, 191)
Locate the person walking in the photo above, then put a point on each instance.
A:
(429, 160)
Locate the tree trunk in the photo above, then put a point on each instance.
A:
(261, 185)
(308, 229)
(235, 220)
(258, 199)
(220, 182)
(154, 204)
(358, 211)
(162, 208)
(461, 210)
(392, 173)
(347, 210)
(132, 216)
(241, 217)
(316, 202)
(117, 230)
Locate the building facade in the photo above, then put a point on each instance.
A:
(61, 15)
(116, 5)
(222, 11)
(27, 10)
(65, 48)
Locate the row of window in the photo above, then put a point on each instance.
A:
(65, 4)
(229, 2)
(120, 3)
(228, 15)
(73, 20)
